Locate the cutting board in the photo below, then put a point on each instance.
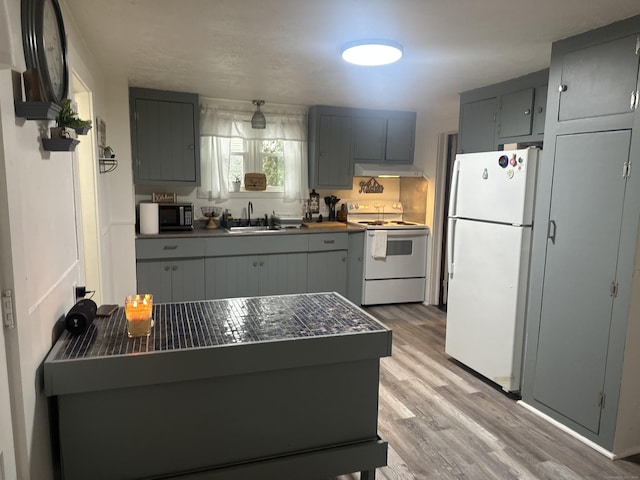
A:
(325, 225)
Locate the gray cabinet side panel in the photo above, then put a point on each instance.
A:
(355, 267)
(580, 266)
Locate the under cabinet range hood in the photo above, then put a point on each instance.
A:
(385, 170)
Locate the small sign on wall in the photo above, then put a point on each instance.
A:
(371, 186)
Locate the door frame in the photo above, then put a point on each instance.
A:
(447, 149)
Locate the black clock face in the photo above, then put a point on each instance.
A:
(45, 46)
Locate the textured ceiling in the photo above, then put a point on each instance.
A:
(288, 51)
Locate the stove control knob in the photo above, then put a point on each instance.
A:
(513, 161)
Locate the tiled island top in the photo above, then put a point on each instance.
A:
(205, 330)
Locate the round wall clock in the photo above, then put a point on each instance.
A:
(45, 46)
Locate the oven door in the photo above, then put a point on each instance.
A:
(406, 255)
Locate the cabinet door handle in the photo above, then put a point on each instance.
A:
(344, 259)
(191, 146)
(551, 233)
(527, 112)
(174, 268)
(329, 241)
(562, 88)
(167, 268)
(255, 264)
(262, 264)
(170, 247)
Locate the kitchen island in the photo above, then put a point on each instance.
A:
(262, 387)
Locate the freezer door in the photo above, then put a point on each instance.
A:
(495, 186)
(486, 301)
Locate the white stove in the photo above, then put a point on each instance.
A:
(395, 252)
(379, 215)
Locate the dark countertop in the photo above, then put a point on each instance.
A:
(199, 232)
(200, 339)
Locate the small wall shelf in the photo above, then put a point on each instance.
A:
(60, 144)
(37, 110)
(107, 165)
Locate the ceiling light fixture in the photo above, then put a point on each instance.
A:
(372, 52)
(258, 120)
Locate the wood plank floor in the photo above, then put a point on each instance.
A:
(442, 422)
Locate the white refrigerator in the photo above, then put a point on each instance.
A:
(489, 238)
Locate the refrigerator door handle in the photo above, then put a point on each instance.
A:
(551, 232)
(453, 195)
(451, 230)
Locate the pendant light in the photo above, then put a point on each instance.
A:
(258, 120)
(372, 52)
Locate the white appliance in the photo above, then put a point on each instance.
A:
(489, 238)
(395, 252)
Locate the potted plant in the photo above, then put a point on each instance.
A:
(107, 152)
(236, 183)
(68, 124)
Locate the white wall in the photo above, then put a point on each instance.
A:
(41, 260)
(428, 154)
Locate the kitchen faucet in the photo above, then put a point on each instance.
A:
(249, 212)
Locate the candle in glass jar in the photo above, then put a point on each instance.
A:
(138, 309)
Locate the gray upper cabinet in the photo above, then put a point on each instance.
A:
(369, 134)
(478, 126)
(165, 137)
(330, 148)
(516, 113)
(599, 79)
(383, 136)
(340, 137)
(401, 138)
(540, 109)
(507, 112)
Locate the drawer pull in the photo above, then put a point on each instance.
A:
(170, 247)
(329, 241)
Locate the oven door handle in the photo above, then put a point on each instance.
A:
(451, 233)
(396, 233)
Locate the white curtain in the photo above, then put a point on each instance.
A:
(222, 121)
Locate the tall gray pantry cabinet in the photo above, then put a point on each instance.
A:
(582, 360)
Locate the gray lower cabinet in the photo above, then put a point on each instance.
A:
(227, 266)
(327, 263)
(251, 275)
(171, 269)
(581, 363)
(173, 280)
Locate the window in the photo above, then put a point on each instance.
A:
(230, 148)
(268, 159)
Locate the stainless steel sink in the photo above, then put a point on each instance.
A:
(252, 229)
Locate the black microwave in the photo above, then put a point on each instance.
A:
(175, 216)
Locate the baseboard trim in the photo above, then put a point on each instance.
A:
(564, 428)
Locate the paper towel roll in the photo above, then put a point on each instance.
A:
(149, 218)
